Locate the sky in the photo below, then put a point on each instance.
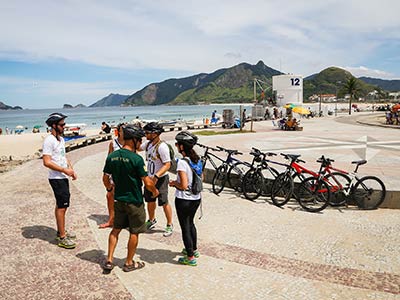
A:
(79, 51)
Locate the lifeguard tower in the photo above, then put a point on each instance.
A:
(287, 89)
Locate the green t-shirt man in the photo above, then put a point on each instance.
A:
(126, 168)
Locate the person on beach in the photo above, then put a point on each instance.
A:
(128, 173)
(116, 144)
(186, 202)
(60, 169)
(105, 128)
(158, 164)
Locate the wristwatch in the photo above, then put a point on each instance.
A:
(110, 189)
(155, 175)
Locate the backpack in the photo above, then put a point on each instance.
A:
(174, 164)
(197, 182)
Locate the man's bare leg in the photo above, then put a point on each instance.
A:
(132, 245)
(60, 219)
(112, 243)
(110, 206)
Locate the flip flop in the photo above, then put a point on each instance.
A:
(108, 266)
(135, 266)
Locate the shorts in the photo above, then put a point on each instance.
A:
(61, 192)
(162, 186)
(130, 215)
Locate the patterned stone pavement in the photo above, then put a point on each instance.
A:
(248, 249)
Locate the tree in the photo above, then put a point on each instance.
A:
(351, 87)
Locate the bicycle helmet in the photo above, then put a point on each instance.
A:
(132, 132)
(186, 138)
(153, 127)
(54, 118)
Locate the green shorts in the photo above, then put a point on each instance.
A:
(129, 215)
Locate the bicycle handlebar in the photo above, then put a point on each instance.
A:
(207, 147)
(231, 152)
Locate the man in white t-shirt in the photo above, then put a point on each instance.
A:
(60, 169)
(158, 164)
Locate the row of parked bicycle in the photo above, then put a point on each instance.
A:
(314, 190)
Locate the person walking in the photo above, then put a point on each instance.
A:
(158, 164)
(116, 144)
(186, 202)
(128, 173)
(60, 169)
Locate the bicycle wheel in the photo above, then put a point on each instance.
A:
(313, 194)
(252, 184)
(369, 192)
(339, 184)
(219, 179)
(282, 189)
(269, 176)
(235, 175)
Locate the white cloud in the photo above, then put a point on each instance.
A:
(364, 71)
(198, 36)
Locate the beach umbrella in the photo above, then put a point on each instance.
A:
(396, 107)
(300, 110)
(37, 126)
(290, 105)
(19, 127)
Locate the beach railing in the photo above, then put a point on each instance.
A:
(87, 140)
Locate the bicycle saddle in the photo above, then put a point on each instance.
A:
(359, 162)
(291, 156)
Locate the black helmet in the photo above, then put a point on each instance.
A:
(54, 118)
(186, 138)
(132, 132)
(153, 127)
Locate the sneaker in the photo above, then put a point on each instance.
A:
(168, 230)
(195, 253)
(66, 243)
(186, 261)
(150, 224)
(68, 234)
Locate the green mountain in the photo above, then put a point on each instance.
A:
(387, 85)
(110, 100)
(231, 85)
(331, 81)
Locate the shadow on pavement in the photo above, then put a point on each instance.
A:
(157, 255)
(99, 219)
(97, 256)
(41, 232)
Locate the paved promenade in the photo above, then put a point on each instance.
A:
(249, 250)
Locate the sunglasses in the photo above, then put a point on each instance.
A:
(61, 124)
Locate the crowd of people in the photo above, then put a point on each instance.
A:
(124, 175)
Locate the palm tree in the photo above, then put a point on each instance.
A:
(351, 87)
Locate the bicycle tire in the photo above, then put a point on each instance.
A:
(313, 194)
(219, 179)
(282, 189)
(369, 192)
(339, 185)
(235, 175)
(268, 181)
(252, 184)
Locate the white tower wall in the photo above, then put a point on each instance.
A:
(288, 89)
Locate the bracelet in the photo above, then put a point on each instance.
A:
(155, 175)
(110, 189)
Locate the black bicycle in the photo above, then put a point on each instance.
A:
(258, 180)
(230, 172)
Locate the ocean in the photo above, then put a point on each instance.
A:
(93, 117)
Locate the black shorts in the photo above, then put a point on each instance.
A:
(61, 192)
(162, 186)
